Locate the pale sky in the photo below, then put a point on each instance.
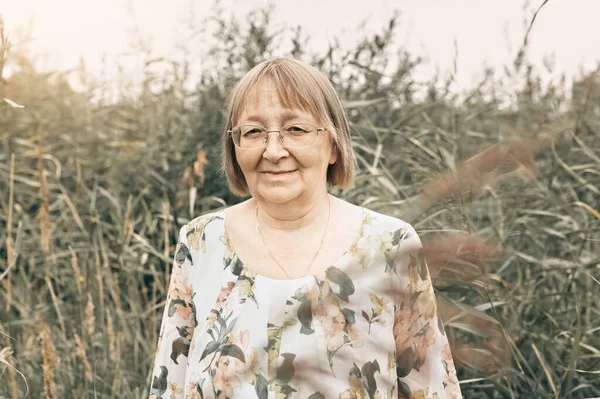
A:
(486, 31)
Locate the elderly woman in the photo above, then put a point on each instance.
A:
(295, 293)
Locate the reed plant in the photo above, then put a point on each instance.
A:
(501, 181)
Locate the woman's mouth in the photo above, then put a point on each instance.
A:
(278, 173)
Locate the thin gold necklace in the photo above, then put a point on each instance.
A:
(316, 253)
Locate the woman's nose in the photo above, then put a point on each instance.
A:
(275, 149)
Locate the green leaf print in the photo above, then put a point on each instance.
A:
(198, 387)
(349, 316)
(366, 316)
(221, 322)
(237, 267)
(286, 371)
(212, 334)
(405, 361)
(159, 384)
(182, 253)
(368, 377)
(362, 381)
(261, 387)
(233, 351)
(399, 236)
(181, 346)
(211, 347)
(346, 286)
(173, 306)
(403, 390)
(193, 306)
(390, 262)
(305, 317)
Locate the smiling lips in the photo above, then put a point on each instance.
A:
(278, 172)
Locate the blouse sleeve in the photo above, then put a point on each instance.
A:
(177, 328)
(424, 364)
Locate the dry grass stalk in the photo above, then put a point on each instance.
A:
(127, 227)
(113, 355)
(12, 381)
(76, 270)
(6, 357)
(545, 367)
(113, 351)
(116, 385)
(43, 213)
(115, 293)
(50, 360)
(165, 215)
(80, 352)
(9, 239)
(99, 278)
(73, 210)
(89, 321)
(79, 187)
(61, 319)
(545, 226)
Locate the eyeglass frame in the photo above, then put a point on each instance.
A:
(280, 131)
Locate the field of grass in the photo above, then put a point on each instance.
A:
(503, 186)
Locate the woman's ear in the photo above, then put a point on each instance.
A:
(334, 154)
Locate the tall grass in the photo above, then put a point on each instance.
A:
(93, 191)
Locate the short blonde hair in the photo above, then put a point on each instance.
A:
(299, 85)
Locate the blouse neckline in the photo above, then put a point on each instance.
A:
(320, 276)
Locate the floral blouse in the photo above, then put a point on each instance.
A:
(367, 327)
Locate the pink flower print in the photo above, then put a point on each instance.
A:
(226, 377)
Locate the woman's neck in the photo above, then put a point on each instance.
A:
(288, 217)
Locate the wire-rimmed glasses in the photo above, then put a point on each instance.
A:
(294, 135)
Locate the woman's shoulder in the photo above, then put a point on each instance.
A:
(394, 230)
(197, 229)
(385, 222)
(199, 223)
(211, 226)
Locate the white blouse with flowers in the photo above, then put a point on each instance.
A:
(367, 327)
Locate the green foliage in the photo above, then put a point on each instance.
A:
(112, 174)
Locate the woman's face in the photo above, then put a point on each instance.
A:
(276, 173)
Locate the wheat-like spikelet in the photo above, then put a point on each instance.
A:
(89, 321)
(112, 340)
(127, 227)
(50, 361)
(115, 291)
(113, 351)
(99, 278)
(80, 352)
(76, 270)
(116, 386)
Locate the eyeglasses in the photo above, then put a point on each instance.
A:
(295, 135)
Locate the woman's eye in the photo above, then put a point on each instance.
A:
(252, 131)
(295, 129)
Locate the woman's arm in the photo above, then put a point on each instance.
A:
(424, 363)
(177, 328)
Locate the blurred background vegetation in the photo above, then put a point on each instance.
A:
(95, 182)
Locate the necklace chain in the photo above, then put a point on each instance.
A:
(316, 253)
